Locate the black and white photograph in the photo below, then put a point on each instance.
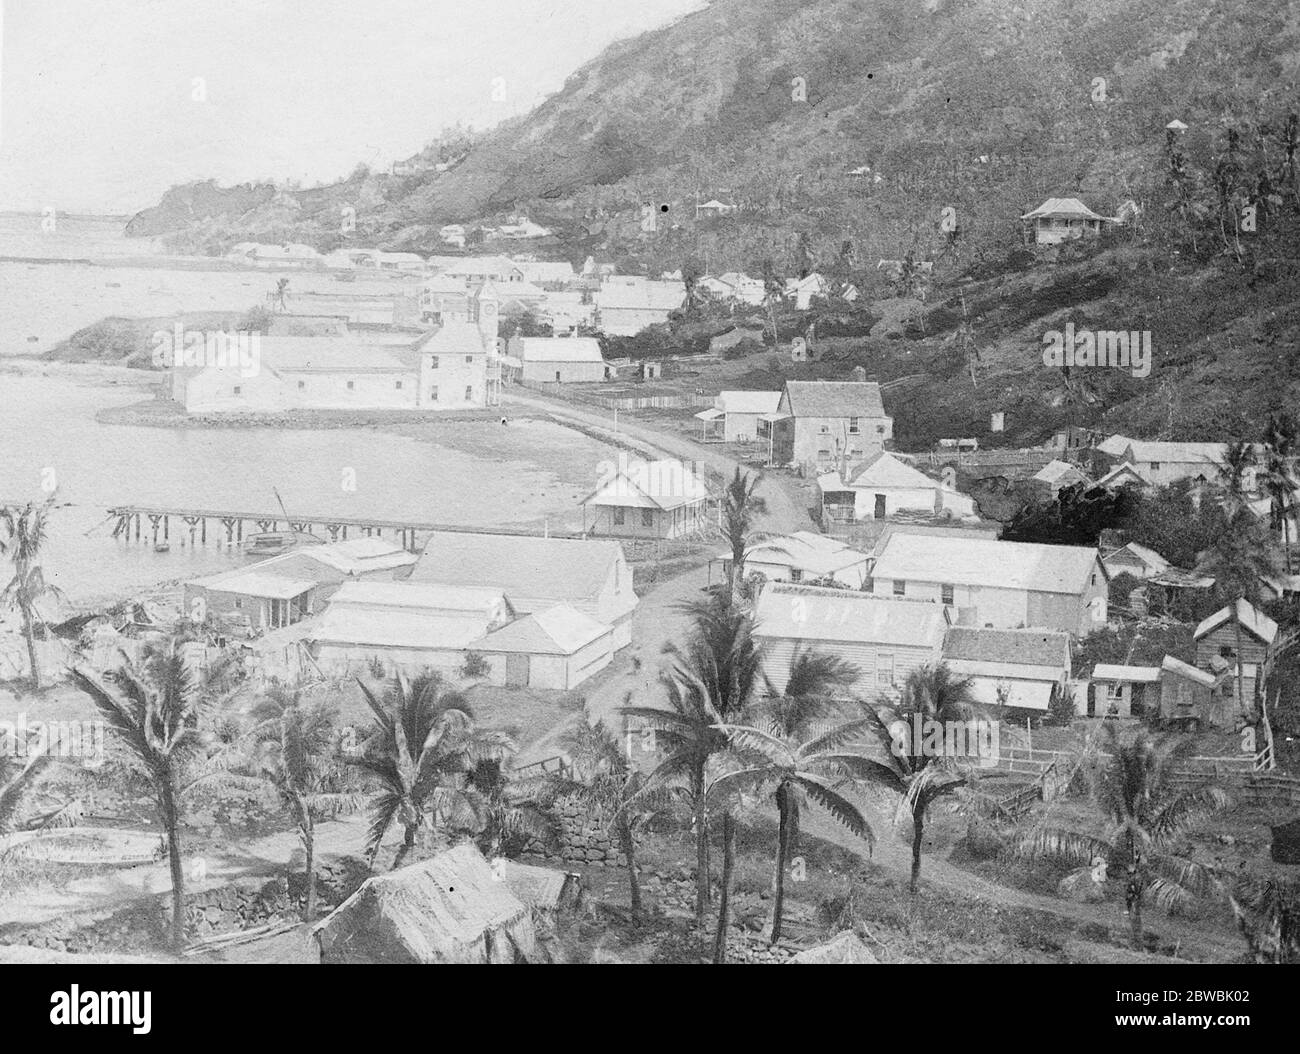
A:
(684, 482)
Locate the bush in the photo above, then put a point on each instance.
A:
(474, 666)
(1060, 707)
(377, 669)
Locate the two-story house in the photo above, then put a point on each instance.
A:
(819, 425)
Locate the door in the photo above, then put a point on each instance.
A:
(880, 506)
(516, 671)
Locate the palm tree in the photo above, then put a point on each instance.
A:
(773, 294)
(1145, 817)
(609, 785)
(24, 532)
(293, 742)
(804, 766)
(156, 713)
(503, 812)
(724, 797)
(711, 680)
(281, 292)
(421, 747)
(1238, 463)
(1281, 444)
(15, 782)
(741, 508)
(930, 694)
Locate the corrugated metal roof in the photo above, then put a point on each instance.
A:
(1158, 450)
(526, 568)
(1063, 208)
(257, 584)
(983, 562)
(557, 349)
(809, 613)
(1172, 665)
(816, 554)
(1105, 671)
(738, 402)
(559, 630)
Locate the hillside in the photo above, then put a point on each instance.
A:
(980, 106)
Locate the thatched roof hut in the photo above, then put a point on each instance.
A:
(450, 909)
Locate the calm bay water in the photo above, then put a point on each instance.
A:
(48, 432)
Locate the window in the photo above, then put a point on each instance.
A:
(352, 385)
(433, 362)
(238, 389)
(469, 393)
(620, 516)
(647, 517)
(433, 394)
(946, 594)
(825, 430)
(302, 385)
(796, 574)
(854, 428)
(885, 668)
(469, 358)
(1092, 579)
(880, 430)
(399, 385)
(239, 602)
(1155, 466)
(900, 588)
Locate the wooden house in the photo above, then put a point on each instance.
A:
(1190, 699)
(1121, 691)
(1237, 626)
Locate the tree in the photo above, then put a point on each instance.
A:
(422, 745)
(16, 781)
(22, 536)
(156, 713)
(1238, 463)
(293, 742)
(608, 784)
(741, 508)
(797, 765)
(790, 717)
(1145, 818)
(281, 293)
(1281, 445)
(926, 770)
(504, 814)
(773, 294)
(710, 681)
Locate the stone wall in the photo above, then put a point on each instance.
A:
(583, 834)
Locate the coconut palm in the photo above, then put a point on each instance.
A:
(741, 508)
(607, 783)
(710, 681)
(293, 743)
(155, 711)
(1145, 818)
(1281, 445)
(505, 812)
(22, 536)
(801, 767)
(16, 781)
(1238, 464)
(1268, 913)
(925, 770)
(421, 747)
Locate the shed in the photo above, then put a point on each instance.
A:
(1122, 691)
(559, 648)
(1190, 697)
(1009, 667)
(450, 909)
(1218, 636)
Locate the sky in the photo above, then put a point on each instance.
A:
(105, 104)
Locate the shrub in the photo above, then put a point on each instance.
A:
(474, 666)
(377, 669)
(1060, 707)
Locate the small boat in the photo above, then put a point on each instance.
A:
(273, 543)
(162, 547)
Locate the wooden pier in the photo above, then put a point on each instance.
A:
(160, 525)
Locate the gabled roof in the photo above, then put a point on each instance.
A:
(422, 596)
(1025, 647)
(835, 398)
(257, 584)
(352, 557)
(1251, 619)
(1056, 470)
(1063, 208)
(558, 630)
(882, 470)
(1158, 450)
(1123, 469)
(816, 554)
(737, 402)
(331, 354)
(647, 295)
(664, 484)
(1148, 557)
(982, 562)
(526, 568)
(846, 615)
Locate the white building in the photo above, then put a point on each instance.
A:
(1009, 667)
(560, 360)
(883, 486)
(737, 417)
(802, 557)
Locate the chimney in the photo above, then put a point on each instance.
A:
(859, 373)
